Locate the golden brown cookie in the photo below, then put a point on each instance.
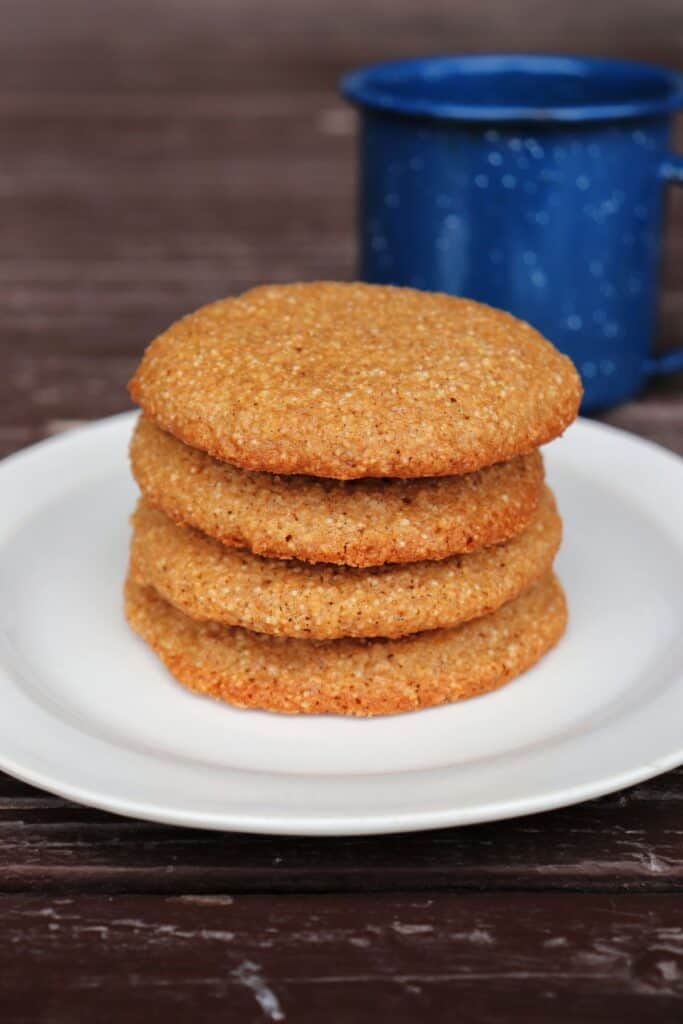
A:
(355, 522)
(356, 380)
(351, 677)
(207, 580)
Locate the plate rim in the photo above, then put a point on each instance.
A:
(343, 827)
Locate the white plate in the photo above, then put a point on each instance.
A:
(88, 712)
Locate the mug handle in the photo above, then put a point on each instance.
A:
(671, 171)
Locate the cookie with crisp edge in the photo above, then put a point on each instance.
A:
(356, 522)
(208, 581)
(351, 677)
(356, 380)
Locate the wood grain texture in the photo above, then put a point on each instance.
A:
(451, 957)
(629, 842)
(156, 155)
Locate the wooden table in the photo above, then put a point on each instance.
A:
(156, 155)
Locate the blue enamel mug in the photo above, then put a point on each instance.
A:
(533, 183)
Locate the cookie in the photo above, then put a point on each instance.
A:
(356, 522)
(350, 677)
(356, 380)
(207, 580)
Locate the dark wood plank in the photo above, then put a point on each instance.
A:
(656, 415)
(116, 223)
(631, 841)
(247, 45)
(469, 958)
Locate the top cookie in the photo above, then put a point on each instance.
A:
(354, 380)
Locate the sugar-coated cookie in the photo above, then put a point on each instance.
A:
(356, 380)
(354, 522)
(209, 581)
(351, 677)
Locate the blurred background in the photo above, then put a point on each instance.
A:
(157, 154)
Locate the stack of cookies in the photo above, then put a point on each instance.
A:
(343, 505)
